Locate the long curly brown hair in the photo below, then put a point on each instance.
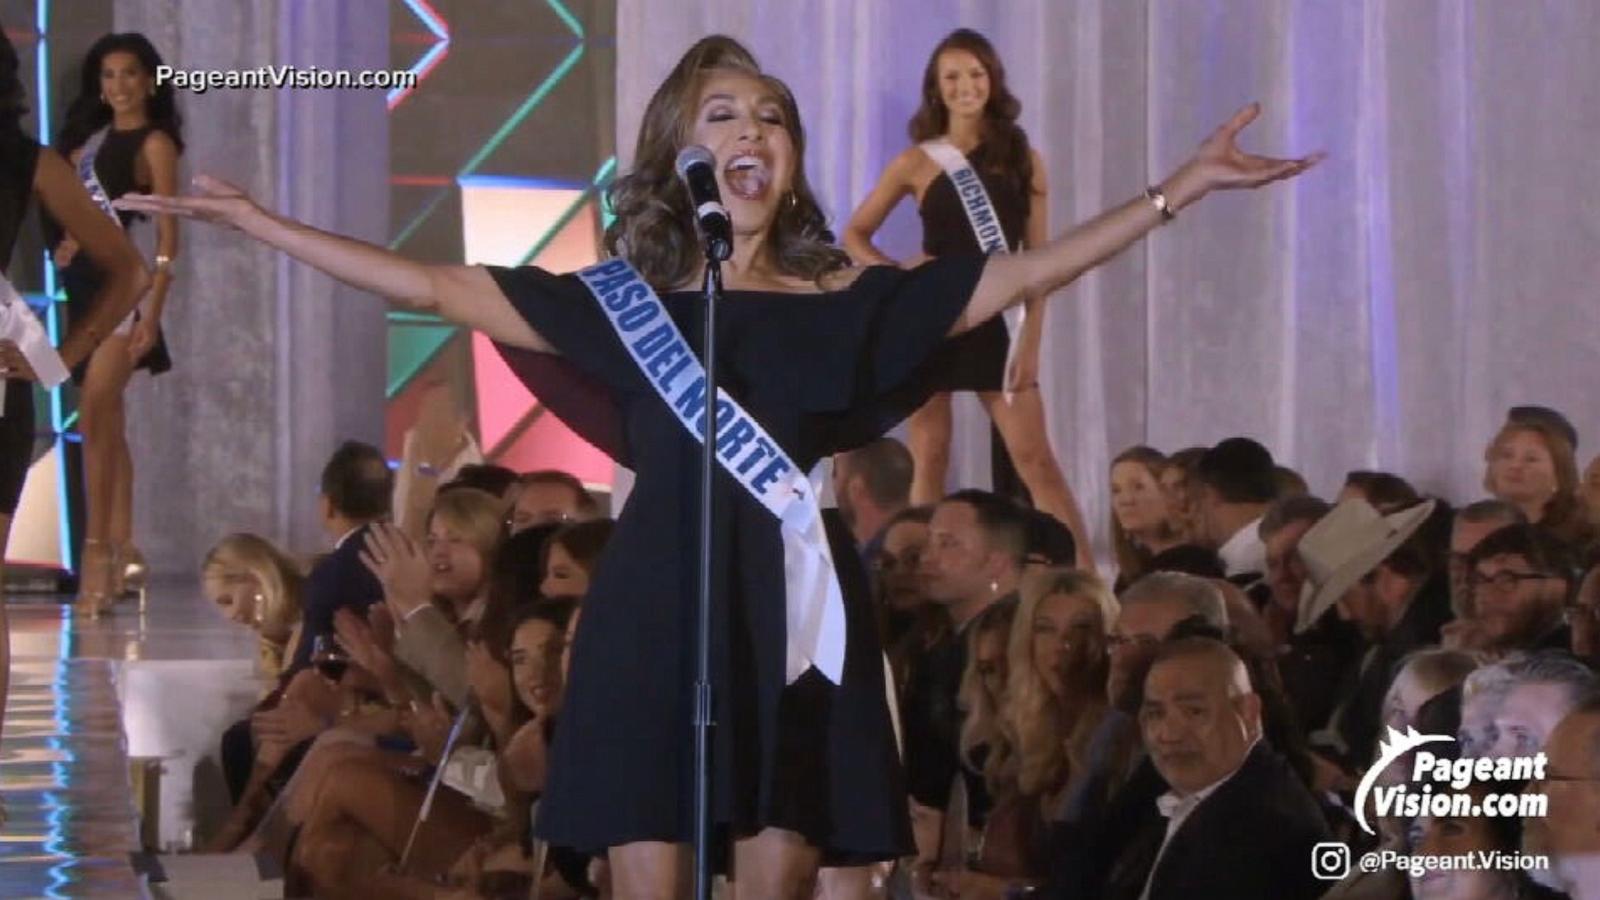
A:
(1005, 143)
(654, 228)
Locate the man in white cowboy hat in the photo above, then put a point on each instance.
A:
(1366, 565)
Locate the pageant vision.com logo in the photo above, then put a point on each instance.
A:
(1444, 793)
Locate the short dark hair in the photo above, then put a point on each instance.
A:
(999, 518)
(486, 477)
(1289, 510)
(1542, 550)
(357, 482)
(1049, 540)
(1188, 559)
(1492, 510)
(587, 504)
(1240, 471)
(583, 541)
(885, 466)
(1386, 491)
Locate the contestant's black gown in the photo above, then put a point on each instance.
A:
(822, 373)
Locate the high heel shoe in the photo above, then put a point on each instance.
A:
(132, 572)
(94, 579)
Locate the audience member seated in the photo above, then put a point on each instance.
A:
(1520, 578)
(256, 585)
(1055, 697)
(1583, 617)
(1385, 491)
(1117, 793)
(908, 624)
(1235, 821)
(1472, 524)
(436, 592)
(1237, 483)
(1541, 689)
(1476, 836)
(872, 485)
(570, 556)
(1188, 559)
(1569, 832)
(1482, 694)
(356, 488)
(1289, 483)
(973, 560)
(1182, 486)
(550, 497)
(1373, 569)
(1530, 464)
(365, 813)
(1422, 676)
(1141, 520)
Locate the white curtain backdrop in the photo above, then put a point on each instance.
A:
(1383, 311)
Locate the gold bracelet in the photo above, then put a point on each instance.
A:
(1159, 201)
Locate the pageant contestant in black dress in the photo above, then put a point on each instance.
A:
(29, 172)
(823, 356)
(967, 108)
(126, 130)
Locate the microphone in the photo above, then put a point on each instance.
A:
(697, 167)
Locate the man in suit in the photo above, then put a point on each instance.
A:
(1520, 578)
(356, 490)
(1237, 484)
(1235, 822)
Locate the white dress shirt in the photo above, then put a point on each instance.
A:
(1177, 809)
(1244, 552)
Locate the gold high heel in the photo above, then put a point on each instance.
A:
(94, 579)
(133, 573)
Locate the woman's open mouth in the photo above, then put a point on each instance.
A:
(747, 176)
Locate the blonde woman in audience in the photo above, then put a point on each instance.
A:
(1141, 512)
(257, 585)
(1422, 676)
(1054, 698)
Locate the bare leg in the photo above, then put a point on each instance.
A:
(650, 870)
(102, 422)
(775, 864)
(928, 439)
(1021, 424)
(853, 882)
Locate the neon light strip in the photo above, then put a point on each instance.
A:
(430, 18)
(420, 68)
(52, 311)
(522, 112)
(566, 16)
(427, 210)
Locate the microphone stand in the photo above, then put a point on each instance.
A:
(717, 250)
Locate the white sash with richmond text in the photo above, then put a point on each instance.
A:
(813, 600)
(985, 224)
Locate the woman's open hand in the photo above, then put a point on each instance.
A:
(215, 201)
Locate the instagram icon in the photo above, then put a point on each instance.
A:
(1330, 861)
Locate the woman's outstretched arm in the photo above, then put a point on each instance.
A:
(1218, 165)
(465, 295)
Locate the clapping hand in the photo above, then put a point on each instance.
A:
(399, 565)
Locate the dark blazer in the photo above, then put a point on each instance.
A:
(1250, 840)
(1083, 848)
(337, 581)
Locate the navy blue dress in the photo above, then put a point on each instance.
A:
(823, 373)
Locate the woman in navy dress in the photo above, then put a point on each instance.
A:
(966, 104)
(824, 356)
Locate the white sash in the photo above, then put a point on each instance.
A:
(19, 325)
(985, 222)
(91, 181)
(814, 602)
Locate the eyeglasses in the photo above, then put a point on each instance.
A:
(1505, 582)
